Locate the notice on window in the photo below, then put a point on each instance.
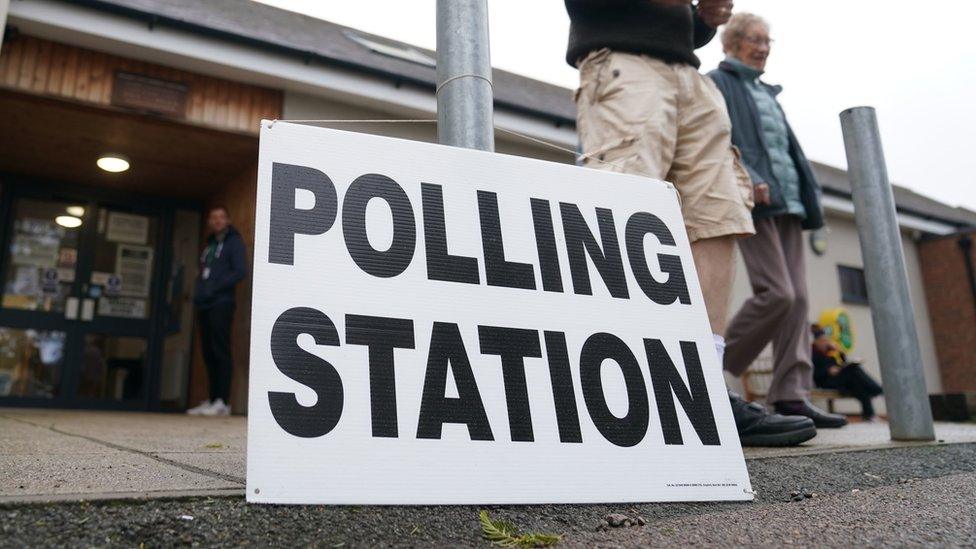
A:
(66, 275)
(67, 258)
(35, 250)
(113, 285)
(39, 227)
(124, 307)
(50, 280)
(100, 278)
(133, 265)
(128, 228)
(27, 282)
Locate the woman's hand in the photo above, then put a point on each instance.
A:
(760, 193)
(834, 370)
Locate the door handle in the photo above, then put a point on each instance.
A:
(71, 308)
(87, 309)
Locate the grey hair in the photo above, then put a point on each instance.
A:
(736, 29)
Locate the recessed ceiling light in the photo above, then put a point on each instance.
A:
(114, 163)
(68, 221)
(76, 211)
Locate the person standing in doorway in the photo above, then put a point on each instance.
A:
(787, 201)
(643, 108)
(223, 264)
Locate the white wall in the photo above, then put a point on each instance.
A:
(824, 288)
(300, 106)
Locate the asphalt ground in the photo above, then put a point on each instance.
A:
(902, 496)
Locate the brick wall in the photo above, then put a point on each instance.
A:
(951, 310)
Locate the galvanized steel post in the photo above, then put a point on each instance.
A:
(464, 94)
(909, 414)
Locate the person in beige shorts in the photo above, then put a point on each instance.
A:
(637, 114)
(643, 108)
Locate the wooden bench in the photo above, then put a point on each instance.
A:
(756, 381)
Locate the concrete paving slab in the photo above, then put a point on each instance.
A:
(71, 454)
(231, 440)
(51, 455)
(228, 464)
(18, 438)
(144, 431)
(57, 474)
(865, 436)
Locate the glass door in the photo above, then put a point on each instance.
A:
(76, 316)
(117, 276)
(40, 282)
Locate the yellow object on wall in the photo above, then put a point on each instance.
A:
(838, 326)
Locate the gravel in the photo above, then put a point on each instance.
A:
(915, 495)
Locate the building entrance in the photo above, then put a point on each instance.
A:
(92, 291)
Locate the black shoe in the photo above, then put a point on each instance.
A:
(757, 427)
(821, 419)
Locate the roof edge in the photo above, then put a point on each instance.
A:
(960, 225)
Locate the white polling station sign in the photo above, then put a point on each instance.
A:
(436, 325)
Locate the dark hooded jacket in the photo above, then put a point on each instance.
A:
(747, 135)
(228, 266)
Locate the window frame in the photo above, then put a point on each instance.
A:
(844, 272)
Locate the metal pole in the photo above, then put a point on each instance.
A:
(464, 95)
(909, 414)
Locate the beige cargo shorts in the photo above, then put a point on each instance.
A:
(642, 116)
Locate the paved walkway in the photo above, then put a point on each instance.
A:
(52, 455)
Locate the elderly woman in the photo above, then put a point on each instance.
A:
(787, 201)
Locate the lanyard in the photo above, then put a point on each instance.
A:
(209, 255)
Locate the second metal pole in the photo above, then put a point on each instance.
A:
(909, 414)
(464, 94)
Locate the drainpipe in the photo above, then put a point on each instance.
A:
(966, 246)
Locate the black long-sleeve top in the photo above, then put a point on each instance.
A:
(670, 33)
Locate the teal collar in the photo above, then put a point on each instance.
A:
(744, 70)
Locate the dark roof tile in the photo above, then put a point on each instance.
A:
(835, 181)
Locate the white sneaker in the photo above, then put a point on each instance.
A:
(200, 409)
(218, 408)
